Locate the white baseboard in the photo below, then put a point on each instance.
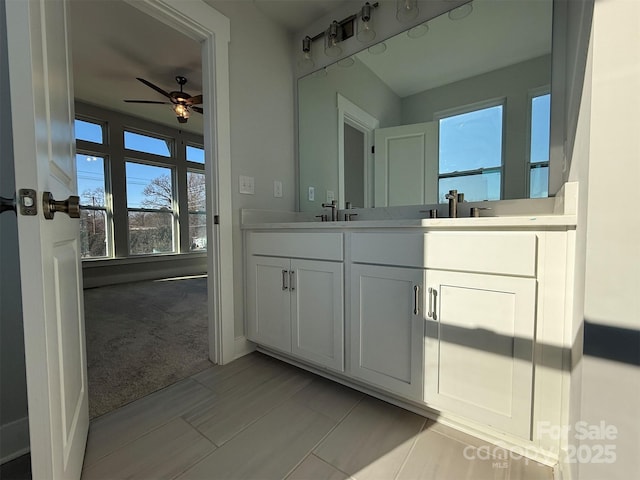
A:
(243, 347)
(14, 439)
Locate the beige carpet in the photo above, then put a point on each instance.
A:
(142, 337)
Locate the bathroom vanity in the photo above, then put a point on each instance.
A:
(462, 320)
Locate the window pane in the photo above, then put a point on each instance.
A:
(196, 196)
(195, 154)
(91, 132)
(197, 231)
(485, 186)
(471, 140)
(91, 185)
(93, 237)
(540, 126)
(147, 144)
(150, 232)
(539, 182)
(149, 186)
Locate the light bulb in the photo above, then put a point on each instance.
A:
(331, 48)
(365, 32)
(306, 61)
(406, 10)
(182, 112)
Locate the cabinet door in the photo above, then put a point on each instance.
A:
(317, 306)
(269, 310)
(387, 328)
(479, 348)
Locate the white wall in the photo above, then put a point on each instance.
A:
(14, 429)
(610, 370)
(605, 383)
(262, 130)
(318, 123)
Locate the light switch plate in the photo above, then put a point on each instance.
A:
(312, 194)
(277, 188)
(247, 185)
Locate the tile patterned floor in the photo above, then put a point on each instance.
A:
(259, 418)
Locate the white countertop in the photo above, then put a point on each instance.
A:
(528, 221)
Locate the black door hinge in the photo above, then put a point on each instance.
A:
(216, 219)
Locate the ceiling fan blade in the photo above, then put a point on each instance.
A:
(148, 101)
(197, 100)
(156, 88)
(197, 109)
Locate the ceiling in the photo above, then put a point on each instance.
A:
(113, 43)
(494, 35)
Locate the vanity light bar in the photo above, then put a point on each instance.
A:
(346, 25)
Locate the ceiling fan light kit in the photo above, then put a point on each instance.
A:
(182, 103)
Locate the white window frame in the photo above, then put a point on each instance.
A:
(531, 94)
(472, 107)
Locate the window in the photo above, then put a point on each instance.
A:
(150, 200)
(147, 144)
(470, 154)
(94, 221)
(539, 146)
(196, 199)
(89, 131)
(145, 196)
(195, 154)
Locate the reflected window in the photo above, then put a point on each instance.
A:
(539, 149)
(470, 154)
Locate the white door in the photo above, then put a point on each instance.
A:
(406, 165)
(387, 327)
(269, 302)
(50, 270)
(317, 306)
(479, 348)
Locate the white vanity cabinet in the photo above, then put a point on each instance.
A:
(295, 305)
(387, 328)
(387, 314)
(480, 327)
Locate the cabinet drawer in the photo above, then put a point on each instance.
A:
(402, 249)
(508, 253)
(321, 246)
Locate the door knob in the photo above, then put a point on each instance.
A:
(70, 206)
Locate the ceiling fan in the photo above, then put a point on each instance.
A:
(182, 102)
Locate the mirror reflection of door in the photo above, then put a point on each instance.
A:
(406, 165)
(354, 168)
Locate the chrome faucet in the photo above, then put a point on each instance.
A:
(334, 209)
(453, 198)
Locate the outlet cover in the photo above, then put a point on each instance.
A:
(330, 196)
(312, 194)
(247, 185)
(277, 188)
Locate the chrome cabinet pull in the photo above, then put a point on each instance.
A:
(292, 280)
(285, 279)
(433, 294)
(416, 299)
(430, 312)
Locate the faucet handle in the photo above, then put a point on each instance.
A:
(475, 211)
(349, 216)
(323, 217)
